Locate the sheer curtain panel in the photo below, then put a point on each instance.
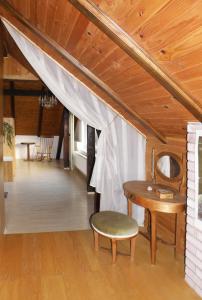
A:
(121, 148)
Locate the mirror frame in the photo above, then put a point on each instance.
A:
(160, 174)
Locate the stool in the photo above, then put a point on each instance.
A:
(115, 226)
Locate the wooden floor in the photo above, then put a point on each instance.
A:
(44, 197)
(64, 265)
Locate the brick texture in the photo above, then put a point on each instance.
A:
(193, 262)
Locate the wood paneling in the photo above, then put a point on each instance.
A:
(100, 55)
(2, 210)
(30, 85)
(166, 223)
(27, 110)
(15, 52)
(169, 30)
(124, 41)
(51, 120)
(27, 113)
(8, 171)
(102, 87)
(14, 70)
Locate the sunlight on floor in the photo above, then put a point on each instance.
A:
(45, 197)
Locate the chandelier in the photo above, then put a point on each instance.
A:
(47, 99)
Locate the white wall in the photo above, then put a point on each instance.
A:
(21, 150)
(80, 162)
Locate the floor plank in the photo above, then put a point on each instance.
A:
(44, 197)
(64, 265)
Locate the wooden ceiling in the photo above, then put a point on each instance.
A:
(13, 70)
(144, 58)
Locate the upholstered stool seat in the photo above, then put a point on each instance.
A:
(115, 226)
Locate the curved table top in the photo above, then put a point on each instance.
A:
(137, 192)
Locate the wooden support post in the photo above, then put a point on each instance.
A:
(12, 100)
(90, 155)
(40, 119)
(66, 139)
(61, 136)
(97, 202)
(2, 207)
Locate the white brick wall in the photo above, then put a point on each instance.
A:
(193, 263)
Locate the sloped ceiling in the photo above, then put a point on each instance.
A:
(13, 70)
(169, 32)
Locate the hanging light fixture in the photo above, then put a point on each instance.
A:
(47, 99)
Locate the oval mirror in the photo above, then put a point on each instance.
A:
(168, 166)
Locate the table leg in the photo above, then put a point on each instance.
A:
(114, 250)
(153, 237)
(149, 223)
(132, 247)
(96, 240)
(178, 233)
(28, 152)
(129, 208)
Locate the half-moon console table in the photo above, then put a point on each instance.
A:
(137, 192)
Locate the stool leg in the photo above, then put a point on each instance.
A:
(132, 247)
(96, 240)
(113, 251)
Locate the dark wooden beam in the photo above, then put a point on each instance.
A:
(127, 43)
(40, 120)
(61, 136)
(15, 92)
(97, 202)
(66, 139)
(12, 100)
(90, 156)
(99, 83)
(2, 203)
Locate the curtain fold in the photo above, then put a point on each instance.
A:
(121, 148)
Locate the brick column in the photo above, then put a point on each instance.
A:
(193, 262)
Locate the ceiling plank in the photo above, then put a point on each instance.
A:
(125, 41)
(15, 52)
(84, 70)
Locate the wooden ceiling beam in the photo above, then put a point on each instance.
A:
(127, 43)
(100, 84)
(24, 93)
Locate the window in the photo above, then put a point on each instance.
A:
(81, 137)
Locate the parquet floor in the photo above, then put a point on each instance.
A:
(44, 197)
(64, 265)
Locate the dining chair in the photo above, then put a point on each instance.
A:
(44, 148)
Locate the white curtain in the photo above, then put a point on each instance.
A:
(121, 148)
